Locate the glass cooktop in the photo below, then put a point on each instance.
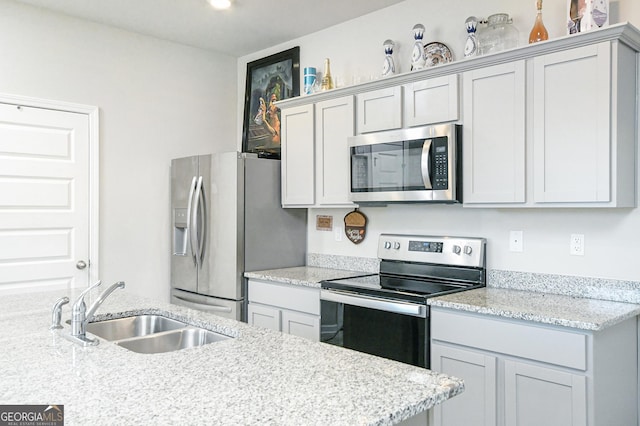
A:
(403, 288)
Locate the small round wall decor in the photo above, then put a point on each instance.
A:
(355, 226)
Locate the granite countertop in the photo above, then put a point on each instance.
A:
(309, 276)
(535, 306)
(546, 308)
(258, 377)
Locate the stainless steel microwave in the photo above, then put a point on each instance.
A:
(419, 164)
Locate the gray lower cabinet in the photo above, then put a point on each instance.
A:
(477, 404)
(284, 307)
(536, 395)
(519, 373)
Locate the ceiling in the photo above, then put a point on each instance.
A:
(249, 26)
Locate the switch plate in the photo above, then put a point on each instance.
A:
(337, 233)
(516, 241)
(576, 245)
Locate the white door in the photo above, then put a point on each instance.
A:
(44, 199)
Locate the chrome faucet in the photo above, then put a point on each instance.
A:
(80, 316)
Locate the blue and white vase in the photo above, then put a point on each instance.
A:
(388, 67)
(471, 45)
(418, 59)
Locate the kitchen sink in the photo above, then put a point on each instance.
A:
(150, 334)
(172, 341)
(136, 326)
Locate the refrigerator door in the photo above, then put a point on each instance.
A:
(221, 271)
(184, 173)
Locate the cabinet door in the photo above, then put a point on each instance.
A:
(264, 316)
(297, 152)
(494, 134)
(537, 396)
(302, 325)
(477, 404)
(380, 110)
(571, 128)
(431, 101)
(334, 124)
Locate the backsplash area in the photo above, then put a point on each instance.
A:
(592, 288)
(574, 286)
(348, 263)
(610, 236)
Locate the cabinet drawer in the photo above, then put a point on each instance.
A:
(297, 298)
(545, 344)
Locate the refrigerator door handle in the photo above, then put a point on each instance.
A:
(201, 306)
(189, 219)
(203, 220)
(195, 229)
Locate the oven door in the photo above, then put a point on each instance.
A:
(391, 329)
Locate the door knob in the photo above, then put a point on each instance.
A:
(81, 264)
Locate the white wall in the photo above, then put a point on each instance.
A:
(612, 238)
(158, 100)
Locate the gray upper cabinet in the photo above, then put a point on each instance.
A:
(315, 154)
(494, 134)
(379, 110)
(431, 101)
(297, 152)
(584, 111)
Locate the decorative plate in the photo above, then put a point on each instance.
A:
(437, 53)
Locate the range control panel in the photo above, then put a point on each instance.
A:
(459, 251)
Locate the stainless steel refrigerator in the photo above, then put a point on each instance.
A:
(227, 219)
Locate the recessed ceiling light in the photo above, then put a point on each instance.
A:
(220, 4)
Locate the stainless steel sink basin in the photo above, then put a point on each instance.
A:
(136, 326)
(172, 341)
(150, 334)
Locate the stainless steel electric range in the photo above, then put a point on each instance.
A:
(386, 314)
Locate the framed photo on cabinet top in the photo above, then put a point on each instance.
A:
(270, 79)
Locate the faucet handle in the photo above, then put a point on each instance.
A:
(80, 300)
(56, 314)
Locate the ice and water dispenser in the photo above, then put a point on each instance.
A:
(180, 232)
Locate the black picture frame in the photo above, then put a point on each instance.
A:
(270, 79)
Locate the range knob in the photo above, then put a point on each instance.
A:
(387, 245)
(457, 249)
(396, 245)
(467, 250)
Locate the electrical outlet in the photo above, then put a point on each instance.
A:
(337, 233)
(576, 245)
(516, 241)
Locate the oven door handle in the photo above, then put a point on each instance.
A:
(363, 301)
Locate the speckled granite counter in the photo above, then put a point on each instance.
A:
(308, 276)
(575, 312)
(259, 377)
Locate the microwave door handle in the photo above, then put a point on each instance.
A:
(425, 164)
(190, 221)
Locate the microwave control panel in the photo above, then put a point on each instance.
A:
(440, 163)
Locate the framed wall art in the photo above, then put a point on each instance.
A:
(268, 80)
